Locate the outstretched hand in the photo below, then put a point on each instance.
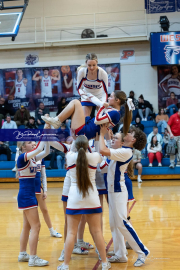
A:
(104, 129)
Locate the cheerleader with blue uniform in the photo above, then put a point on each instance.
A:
(27, 168)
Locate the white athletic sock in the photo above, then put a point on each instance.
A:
(31, 257)
(80, 241)
(65, 266)
(51, 230)
(139, 176)
(57, 119)
(22, 253)
(104, 264)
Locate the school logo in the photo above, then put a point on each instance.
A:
(126, 54)
(170, 51)
(31, 59)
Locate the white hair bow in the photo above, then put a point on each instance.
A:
(130, 104)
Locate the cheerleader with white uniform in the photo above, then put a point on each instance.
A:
(41, 195)
(92, 79)
(118, 196)
(83, 199)
(27, 168)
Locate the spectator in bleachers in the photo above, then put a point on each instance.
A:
(42, 110)
(64, 133)
(61, 105)
(135, 102)
(138, 123)
(154, 149)
(166, 139)
(31, 123)
(174, 130)
(162, 119)
(4, 149)
(59, 156)
(4, 109)
(144, 108)
(9, 124)
(21, 116)
(171, 104)
(155, 132)
(137, 163)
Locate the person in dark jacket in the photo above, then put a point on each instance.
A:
(61, 105)
(21, 116)
(135, 102)
(138, 124)
(42, 110)
(144, 108)
(31, 124)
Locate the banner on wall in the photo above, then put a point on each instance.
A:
(160, 6)
(31, 86)
(165, 48)
(127, 56)
(31, 60)
(168, 81)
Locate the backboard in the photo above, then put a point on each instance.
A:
(9, 24)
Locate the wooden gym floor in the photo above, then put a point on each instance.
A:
(155, 217)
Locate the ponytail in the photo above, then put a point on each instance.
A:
(80, 67)
(82, 173)
(130, 169)
(127, 119)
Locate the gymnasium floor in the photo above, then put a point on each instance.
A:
(155, 217)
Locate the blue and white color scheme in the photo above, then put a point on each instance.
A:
(165, 48)
(76, 203)
(160, 6)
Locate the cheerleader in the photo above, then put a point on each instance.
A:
(27, 167)
(172, 80)
(89, 127)
(83, 199)
(80, 246)
(118, 196)
(41, 194)
(94, 80)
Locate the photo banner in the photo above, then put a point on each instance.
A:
(32, 85)
(159, 6)
(168, 81)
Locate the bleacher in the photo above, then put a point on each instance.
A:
(154, 172)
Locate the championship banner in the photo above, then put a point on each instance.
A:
(168, 81)
(160, 6)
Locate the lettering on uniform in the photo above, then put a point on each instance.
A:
(32, 169)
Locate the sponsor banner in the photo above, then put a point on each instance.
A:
(168, 81)
(34, 135)
(127, 56)
(165, 48)
(160, 6)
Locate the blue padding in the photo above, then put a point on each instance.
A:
(7, 164)
(40, 126)
(21, 127)
(13, 157)
(159, 171)
(165, 162)
(147, 123)
(56, 173)
(13, 148)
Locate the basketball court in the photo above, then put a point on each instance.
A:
(154, 215)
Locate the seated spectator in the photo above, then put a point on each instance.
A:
(162, 119)
(21, 116)
(4, 109)
(166, 139)
(61, 105)
(154, 149)
(9, 124)
(64, 133)
(171, 104)
(155, 132)
(60, 159)
(137, 163)
(31, 123)
(42, 110)
(174, 130)
(135, 102)
(4, 149)
(144, 108)
(138, 123)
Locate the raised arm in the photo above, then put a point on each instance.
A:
(35, 78)
(39, 148)
(63, 147)
(102, 147)
(44, 153)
